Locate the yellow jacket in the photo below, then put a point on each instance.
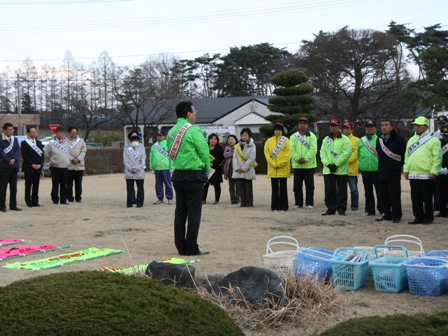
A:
(280, 165)
(353, 161)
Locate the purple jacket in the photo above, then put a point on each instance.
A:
(228, 166)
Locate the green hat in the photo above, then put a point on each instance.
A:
(421, 121)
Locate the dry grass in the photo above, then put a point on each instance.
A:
(307, 301)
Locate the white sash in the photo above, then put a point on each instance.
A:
(278, 147)
(335, 155)
(387, 151)
(445, 149)
(74, 142)
(34, 147)
(420, 142)
(63, 149)
(11, 144)
(369, 146)
(161, 150)
(178, 140)
(134, 154)
(302, 139)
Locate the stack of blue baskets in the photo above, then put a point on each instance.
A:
(314, 261)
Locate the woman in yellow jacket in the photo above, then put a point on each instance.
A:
(278, 157)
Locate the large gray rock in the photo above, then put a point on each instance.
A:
(255, 284)
(170, 274)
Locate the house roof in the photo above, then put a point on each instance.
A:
(208, 110)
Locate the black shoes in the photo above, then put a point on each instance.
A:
(342, 213)
(15, 209)
(415, 221)
(383, 218)
(395, 221)
(3, 210)
(328, 213)
(441, 215)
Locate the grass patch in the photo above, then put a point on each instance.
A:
(103, 303)
(403, 325)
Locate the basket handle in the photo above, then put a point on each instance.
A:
(405, 238)
(282, 240)
(428, 258)
(405, 251)
(346, 250)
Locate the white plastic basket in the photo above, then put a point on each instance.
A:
(413, 245)
(281, 260)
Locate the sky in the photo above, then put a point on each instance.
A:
(131, 31)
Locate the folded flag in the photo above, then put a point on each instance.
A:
(125, 270)
(21, 251)
(4, 242)
(63, 259)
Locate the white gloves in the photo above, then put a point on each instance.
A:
(443, 171)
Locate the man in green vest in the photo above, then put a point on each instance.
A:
(368, 165)
(190, 154)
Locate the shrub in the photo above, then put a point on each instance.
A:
(101, 303)
(420, 324)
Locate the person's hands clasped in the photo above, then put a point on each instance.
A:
(332, 167)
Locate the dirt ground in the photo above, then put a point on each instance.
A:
(234, 236)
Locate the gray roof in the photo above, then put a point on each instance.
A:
(208, 110)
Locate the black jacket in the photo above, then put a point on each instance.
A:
(388, 168)
(30, 156)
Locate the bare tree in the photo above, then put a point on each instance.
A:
(356, 73)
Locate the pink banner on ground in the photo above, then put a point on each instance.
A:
(20, 251)
(4, 242)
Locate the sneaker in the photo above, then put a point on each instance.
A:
(297, 207)
(309, 206)
(170, 202)
(158, 202)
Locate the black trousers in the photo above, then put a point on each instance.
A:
(217, 191)
(279, 195)
(301, 175)
(131, 192)
(234, 197)
(371, 180)
(8, 176)
(76, 177)
(442, 194)
(188, 207)
(332, 203)
(390, 196)
(421, 197)
(59, 185)
(245, 190)
(32, 180)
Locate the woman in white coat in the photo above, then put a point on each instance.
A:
(243, 162)
(134, 158)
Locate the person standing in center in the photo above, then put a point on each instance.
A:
(77, 150)
(303, 155)
(33, 160)
(243, 165)
(216, 161)
(134, 160)
(368, 165)
(191, 162)
(278, 155)
(57, 157)
(422, 163)
(9, 165)
(161, 165)
(390, 147)
(353, 163)
(335, 151)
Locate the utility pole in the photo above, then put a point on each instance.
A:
(19, 109)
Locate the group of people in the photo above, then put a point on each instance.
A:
(381, 159)
(64, 156)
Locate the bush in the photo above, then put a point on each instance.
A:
(101, 303)
(420, 324)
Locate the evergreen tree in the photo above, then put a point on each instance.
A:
(293, 100)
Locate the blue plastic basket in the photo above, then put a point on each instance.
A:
(439, 254)
(314, 261)
(389, 273)
(427, 276)
(348, 274)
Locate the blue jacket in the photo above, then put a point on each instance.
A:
(14, 153)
